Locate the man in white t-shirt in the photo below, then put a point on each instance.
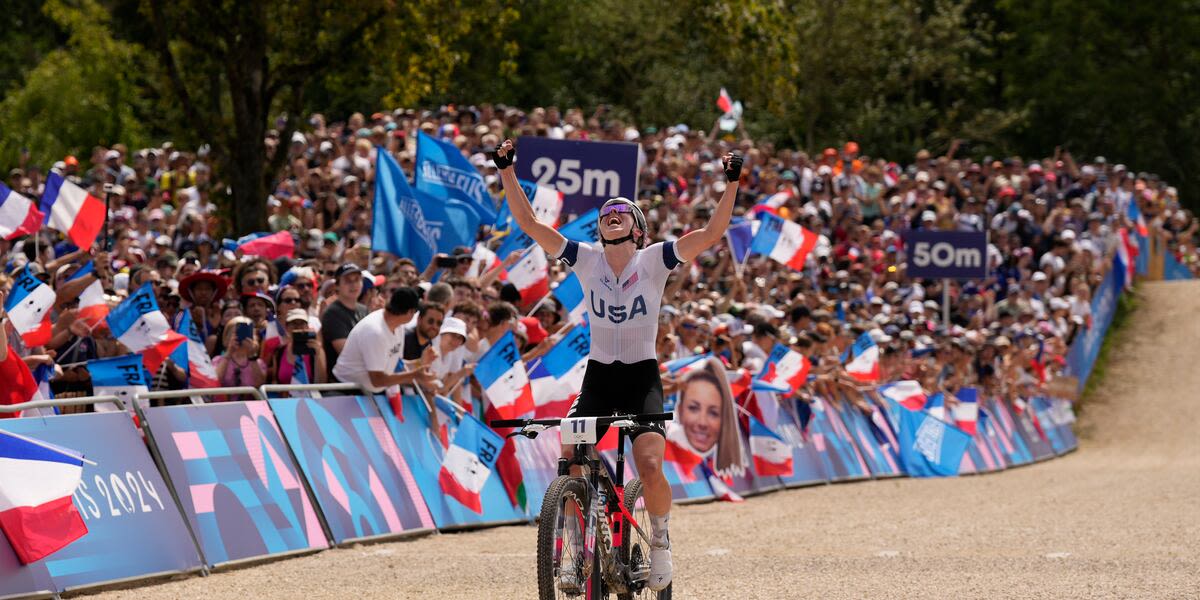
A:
(374, 349)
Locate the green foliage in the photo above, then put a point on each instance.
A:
(80, 95)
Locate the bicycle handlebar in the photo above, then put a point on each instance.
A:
(643, 419)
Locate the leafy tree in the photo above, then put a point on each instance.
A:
(79, 95)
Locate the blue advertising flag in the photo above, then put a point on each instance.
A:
(585, 228)
(929, 447)
(413, 224)
(444, 173)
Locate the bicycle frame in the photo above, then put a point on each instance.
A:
(612, 490)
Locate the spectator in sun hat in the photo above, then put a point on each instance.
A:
(282, 362)
(202, 291)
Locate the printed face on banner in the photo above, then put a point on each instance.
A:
(707, 415)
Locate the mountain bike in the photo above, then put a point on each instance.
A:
(590, 537)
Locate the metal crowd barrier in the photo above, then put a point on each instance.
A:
(315, 389)
(196, 395)
(63, 402)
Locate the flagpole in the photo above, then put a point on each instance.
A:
(107, 235)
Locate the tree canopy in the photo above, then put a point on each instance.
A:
(1103, 76)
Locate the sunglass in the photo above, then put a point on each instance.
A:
(621, 208)
(255, 281)
(289, 301)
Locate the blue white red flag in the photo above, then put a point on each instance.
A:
(93, 307)
(724, 101)
(121, 376)
(198, 365)
(936, 406)
(71, 210)
(447, 419)
(905, 393)
(784, 372)
(966, 412)
(141, 327)
(28, 306)
(739, 235)
(772, 455)
(721, 488)
(501, 373)
(863, 363)
(37, 480)
(445, 174)
(18, 215)
(531, 275)
(929, 447)
(784, 241)
(1135, 215)
(557, 377)
(469, 461)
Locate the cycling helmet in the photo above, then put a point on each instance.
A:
(639, 222)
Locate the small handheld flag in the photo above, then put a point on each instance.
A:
(505, 383)
(18, 215)
(28, 306)
(141, 326)
(122, 376)
(71, 210)
(558, 376)
(37, 480)
(783, 241)
(784, 372)
(469, 461)
(772, 456)
(863, 363)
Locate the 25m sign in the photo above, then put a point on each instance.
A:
(946, 254)
(587, 173)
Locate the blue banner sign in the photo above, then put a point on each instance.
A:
(587, 173)
(946, 254)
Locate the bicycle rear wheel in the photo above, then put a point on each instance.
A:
(560, 568)
(635, 553)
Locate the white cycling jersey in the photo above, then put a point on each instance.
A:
(622, 310)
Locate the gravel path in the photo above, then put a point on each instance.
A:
(1118, 518)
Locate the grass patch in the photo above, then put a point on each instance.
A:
(1126, 304)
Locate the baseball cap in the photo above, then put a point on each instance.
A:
(297, 314)
(534, 332)
(346, 269)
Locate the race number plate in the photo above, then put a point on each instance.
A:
(579, 430)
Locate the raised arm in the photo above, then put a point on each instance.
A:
(546, 236)
(691, 245)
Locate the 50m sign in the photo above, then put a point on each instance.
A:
(587, 173)
(947, 254)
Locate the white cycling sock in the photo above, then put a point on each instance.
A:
(658, 529)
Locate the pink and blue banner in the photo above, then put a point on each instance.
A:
(362, 482)
(239, 487)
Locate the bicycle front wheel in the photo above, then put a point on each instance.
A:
(560, 564)
(636, 552)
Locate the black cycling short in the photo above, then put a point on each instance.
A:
(620, 388)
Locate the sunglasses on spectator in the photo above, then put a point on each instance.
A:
(255, 281)
(289, 300)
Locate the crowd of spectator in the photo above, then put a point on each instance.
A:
(1053, 226)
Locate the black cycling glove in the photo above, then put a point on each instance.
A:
(733, 167)
(503, 162)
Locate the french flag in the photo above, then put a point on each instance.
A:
(93, 308)
(785, 371)
(739, 236)
(784, 241)
(557, 377)
(966, 412)
(773, 203)
(724, 101)
(936, 407)
(200, 370)
(447, 417)
(531, 275)
(1135, 215)
(546, 201)
(570, 294)
(272, 337)
(20, 384)
(18, 215)
(141, 326)
(37, 480)
(72, 210)
(1127, 251)
(720, 487)
(121, 376)
(905, 393)
(682, 366)
(505, 383)
(28, 305)
(772, 456)
(863, 363)
(469, 461)
(269, 246)
(483, 261)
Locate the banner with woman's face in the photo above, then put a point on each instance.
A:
(706, 418)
